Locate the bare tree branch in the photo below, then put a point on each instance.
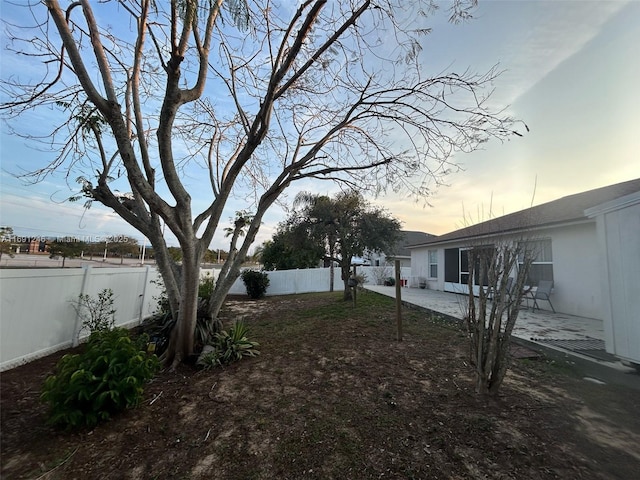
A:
(208, 111)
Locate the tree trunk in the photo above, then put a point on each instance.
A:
(182, 336)
(228, 275)
(489, 331)
(331, 275)
(346, 273)
(171, 273)
(331, 264)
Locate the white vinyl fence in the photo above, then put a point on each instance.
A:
(36, 304)
(286, 282)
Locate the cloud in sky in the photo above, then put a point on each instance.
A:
(542, 36)
(570, 71)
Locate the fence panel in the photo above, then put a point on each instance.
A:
(377, 275)
(36, 306)
(285, 282)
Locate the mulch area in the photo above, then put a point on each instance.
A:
(334, 395)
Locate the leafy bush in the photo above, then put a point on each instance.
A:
(97, 314)
(162, 299)
(206, 286)
(206, 328)
(160, 325)
(255, 282)
(106, 378)
(229, 347)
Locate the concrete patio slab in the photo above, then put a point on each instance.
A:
(580, 337)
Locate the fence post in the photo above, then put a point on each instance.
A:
(143, 295)
(78, 325)
(398, 301)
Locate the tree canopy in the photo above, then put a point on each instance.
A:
(123, 246)
(66, 249)
(348, 226)
(292, 246)
(6, 235)
(167, 111)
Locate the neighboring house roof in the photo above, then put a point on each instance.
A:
(409, 237)
(564, 210)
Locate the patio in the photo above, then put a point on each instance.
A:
(579, 336)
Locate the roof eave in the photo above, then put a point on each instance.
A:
(506, 232)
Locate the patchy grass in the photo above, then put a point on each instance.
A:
(334, 395)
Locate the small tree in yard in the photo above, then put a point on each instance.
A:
(66, 249)
(97, 314)
(146, 97)
(501, 273)
(381, 273)
(348, 226)
(6, 234)
(292, 246)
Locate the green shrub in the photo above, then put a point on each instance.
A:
(255, 282)
(206, 286)
(206, 328)
(96, 313)
(229, 347)
(105, 379)
(162, 299)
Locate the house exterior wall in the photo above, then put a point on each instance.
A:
(404, 262)
(420, 268)
(376, 259)
(576, 271)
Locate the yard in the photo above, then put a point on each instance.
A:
(334, 395)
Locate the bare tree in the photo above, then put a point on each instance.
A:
(148, 91)
(498, 272)
(382, 272)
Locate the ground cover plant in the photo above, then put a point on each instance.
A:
(334, 395)
(107, 377)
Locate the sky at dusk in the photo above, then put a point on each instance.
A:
(571, 71)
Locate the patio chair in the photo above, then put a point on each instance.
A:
(543, 292)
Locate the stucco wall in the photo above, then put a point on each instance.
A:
(420, 267)
(576, 269)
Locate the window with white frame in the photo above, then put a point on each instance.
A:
(433, 264)
(542, 264)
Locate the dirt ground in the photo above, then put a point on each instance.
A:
(333, 395)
